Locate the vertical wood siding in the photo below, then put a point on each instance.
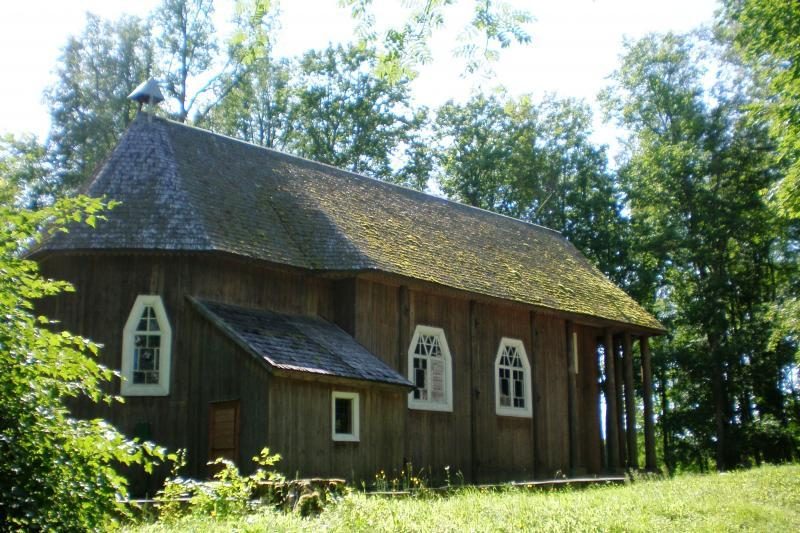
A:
(550, 410)
(300, 427)
(293, 416)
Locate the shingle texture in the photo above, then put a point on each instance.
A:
(185, 188)
(299, 343)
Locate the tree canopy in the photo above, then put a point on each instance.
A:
(768, 35)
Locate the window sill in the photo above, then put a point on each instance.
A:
(516, 413)
(425, 406)
(345, 437)
(144, 390)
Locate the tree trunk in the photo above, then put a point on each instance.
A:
(719, 398)
(662, 380)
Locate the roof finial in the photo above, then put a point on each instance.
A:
(147, 92)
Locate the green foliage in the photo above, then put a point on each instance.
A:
(494, 25)
(534, 161)
(763, 499)
(345, 116)
(229, 494)
(25, 170)
(88, 103)
(97, 70)
(200, 70)
(186, 46)
(767, 32)
(257, 109)
(56, 471)
(711, 252)
(406, 480)
(329, 106)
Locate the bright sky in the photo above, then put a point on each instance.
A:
(576, 44)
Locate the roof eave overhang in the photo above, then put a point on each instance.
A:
(375, 274)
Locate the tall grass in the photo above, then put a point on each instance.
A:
(763, 499)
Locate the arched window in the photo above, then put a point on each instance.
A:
(512, 379)
(430, 369)
(146, 344)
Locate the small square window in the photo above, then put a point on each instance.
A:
(344, 416)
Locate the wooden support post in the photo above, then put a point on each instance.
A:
(534, 399)
(572, 395)
(618, 378)
(612, 433)
(647, 392)
(475, 368)
(403, 340)
(404, 328)
(630, 402)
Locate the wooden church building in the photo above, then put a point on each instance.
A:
(251, 298)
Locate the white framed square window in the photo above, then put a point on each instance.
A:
(512, 380)
(344, 416)
(146, 349)
(430, 369)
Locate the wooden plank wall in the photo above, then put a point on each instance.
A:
(382, 317)
(504, 444)
(300, 427)
(219, 371)
(107, 286)
(435, 439)
(474, 439)
(377, 310)
(550, 409)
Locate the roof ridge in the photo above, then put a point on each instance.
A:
(180, 177)
(203, 215)
(378, 181)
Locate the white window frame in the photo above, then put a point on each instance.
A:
(430, 405)
(128, 387)
(503, 410)
(354, 414)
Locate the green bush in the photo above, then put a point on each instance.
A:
(56, 472)
(228, 494)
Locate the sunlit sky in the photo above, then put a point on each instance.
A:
(576, 45)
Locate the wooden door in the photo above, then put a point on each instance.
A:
(223, 431)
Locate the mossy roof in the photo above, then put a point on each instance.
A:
(184, 188)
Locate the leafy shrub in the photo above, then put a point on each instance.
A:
(228, 494)
(56, 472)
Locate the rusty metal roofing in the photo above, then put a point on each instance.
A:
(184, 188)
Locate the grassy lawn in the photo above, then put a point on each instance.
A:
(763, 499)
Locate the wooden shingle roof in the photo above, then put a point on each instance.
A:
(298, 343)
(187, 189)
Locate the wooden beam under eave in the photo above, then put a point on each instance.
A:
(572, 395)
(612, 432)
(630, 402)
(647, 393)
